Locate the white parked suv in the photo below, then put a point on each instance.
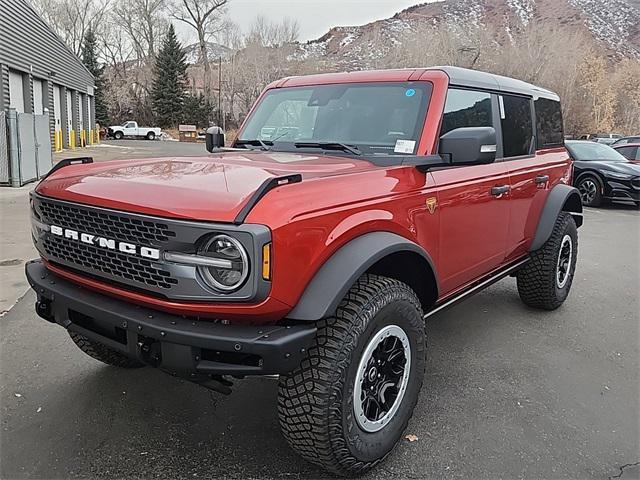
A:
(132, 130)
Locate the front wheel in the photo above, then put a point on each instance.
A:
(347, 404)
(590, 192)
(118, 135)
(546, 280)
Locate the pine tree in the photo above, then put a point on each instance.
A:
(168, 91)
(90, 59)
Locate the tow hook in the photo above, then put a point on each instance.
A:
(149, 350)
(43, 309)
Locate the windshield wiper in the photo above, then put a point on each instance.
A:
(329, 146)
(257, 142)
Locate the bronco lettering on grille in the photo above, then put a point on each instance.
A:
(109, 244)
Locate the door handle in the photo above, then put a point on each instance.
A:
(499, 191)
(542, 179)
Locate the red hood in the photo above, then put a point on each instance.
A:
(213, 188)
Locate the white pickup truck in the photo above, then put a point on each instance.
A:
(132, 130)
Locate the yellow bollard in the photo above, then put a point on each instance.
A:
(72, 139)
(90, 137)
(57, 140)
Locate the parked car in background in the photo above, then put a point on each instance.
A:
(630, 151)
(602, 174)
(131, 129)
(604, 140)
(625, 140)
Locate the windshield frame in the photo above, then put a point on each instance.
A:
(387, 150)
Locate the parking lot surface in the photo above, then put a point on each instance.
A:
(509, 392)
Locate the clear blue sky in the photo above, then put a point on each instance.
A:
(316, 16)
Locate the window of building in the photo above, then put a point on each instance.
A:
(466, 108)
(550, 132)
(517, 125)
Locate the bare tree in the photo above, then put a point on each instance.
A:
(145, 23)
(71, 19)
(204, 16)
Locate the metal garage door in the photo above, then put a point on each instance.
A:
(81, 119)
(16, 91)
(38, 105)
(70, 119)
(57, 116)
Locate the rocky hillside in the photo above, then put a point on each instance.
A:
(614, 24)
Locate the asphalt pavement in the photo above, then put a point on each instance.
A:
(509, 392)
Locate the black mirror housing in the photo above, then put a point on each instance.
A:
(214, 139)
(469, 146)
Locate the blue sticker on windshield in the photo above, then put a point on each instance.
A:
(410, 92)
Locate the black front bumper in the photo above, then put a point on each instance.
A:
(179, 345)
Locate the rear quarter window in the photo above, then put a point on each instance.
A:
(517, 125)
(549, 126)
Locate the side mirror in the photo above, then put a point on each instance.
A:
(469, 146)
(214, 139)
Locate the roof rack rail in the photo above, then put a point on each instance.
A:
(262, 190)
(66, 162)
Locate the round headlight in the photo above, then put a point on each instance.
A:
(234, 263)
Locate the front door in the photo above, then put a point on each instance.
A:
(474, 201)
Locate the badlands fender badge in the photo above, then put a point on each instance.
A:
(432, 203)
(106, 243)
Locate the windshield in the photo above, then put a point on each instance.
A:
(585, 151)
(384, 118)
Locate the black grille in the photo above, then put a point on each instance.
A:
(636, 183)
(105, 224)
(108, 262)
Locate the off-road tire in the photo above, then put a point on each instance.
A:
(316, 401)
(103, 353)
(537, 281)
(151, 136)
(118, 135)
(597, 199)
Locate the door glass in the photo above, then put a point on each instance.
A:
(466, 108)
(517, 125)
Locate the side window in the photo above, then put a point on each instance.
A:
(550, 132)
(466, 108)
(517, 125)
(627, 152)
(638, 153)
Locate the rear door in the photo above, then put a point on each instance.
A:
(536, 159)
(474, 216)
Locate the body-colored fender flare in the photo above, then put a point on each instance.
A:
(561, 198)
(334, 279)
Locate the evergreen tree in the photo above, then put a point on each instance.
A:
(90, 59)
(169, 77)
(198, 111)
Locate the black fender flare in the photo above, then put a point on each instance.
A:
(333, 280)
(561, 198)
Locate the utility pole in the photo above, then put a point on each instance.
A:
(220, 115)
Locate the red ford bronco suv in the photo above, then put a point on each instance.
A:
(351, 207)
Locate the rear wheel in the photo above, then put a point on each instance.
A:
(103, 353)
(546, 280)
(347, 404)
(151, 136)
(590, 191)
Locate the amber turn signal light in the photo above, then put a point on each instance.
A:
(266, 261)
